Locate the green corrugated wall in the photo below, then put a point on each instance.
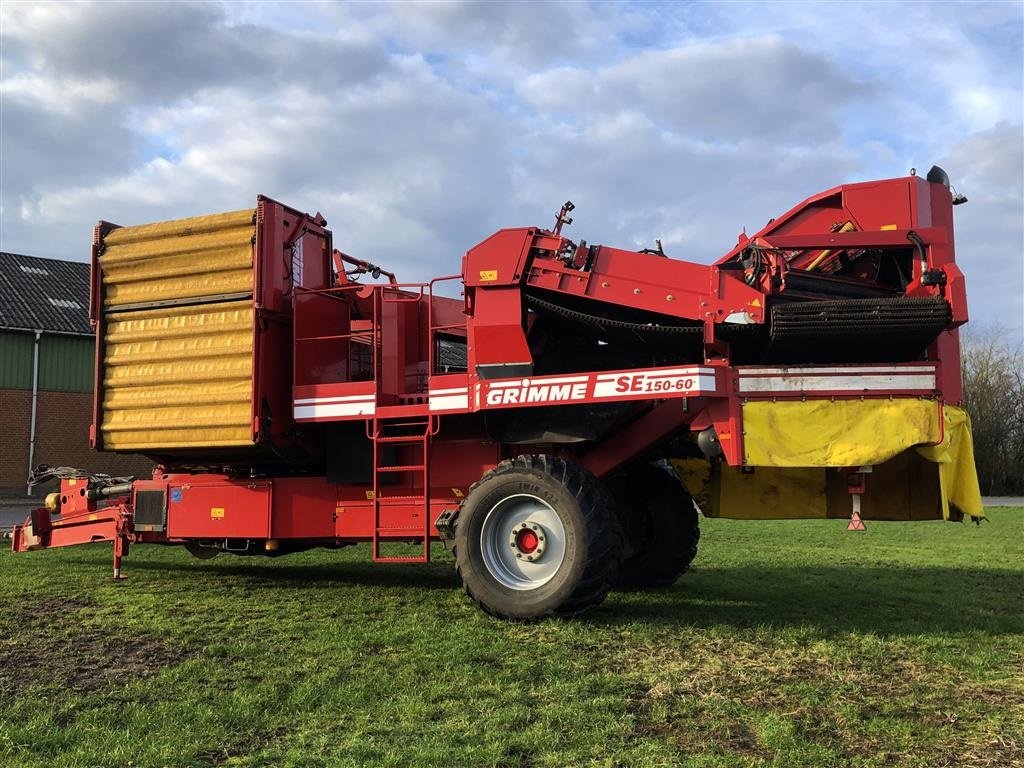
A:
(16, 360)
(65, 362)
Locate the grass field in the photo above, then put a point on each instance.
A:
(789, 644)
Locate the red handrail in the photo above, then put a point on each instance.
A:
(431, 328)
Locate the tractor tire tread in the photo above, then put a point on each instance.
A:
(601, 524)
(663, 568)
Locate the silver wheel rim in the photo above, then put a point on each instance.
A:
(510, 564)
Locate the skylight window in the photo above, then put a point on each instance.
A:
(65, 303)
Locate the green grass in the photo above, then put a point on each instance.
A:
(789, 644)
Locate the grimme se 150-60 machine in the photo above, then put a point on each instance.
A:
(555, 425)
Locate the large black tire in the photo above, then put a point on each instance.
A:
(578, 526)
(660, 524)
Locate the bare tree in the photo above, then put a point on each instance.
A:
(993, 374)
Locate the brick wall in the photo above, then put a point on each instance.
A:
(62, 438)
(15, 405)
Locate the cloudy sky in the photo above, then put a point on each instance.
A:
(419, 128)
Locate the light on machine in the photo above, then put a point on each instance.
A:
(938, 176)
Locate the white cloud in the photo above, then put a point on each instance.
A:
(420, 128)
(720, 91)
(990, 226)
(63, 96)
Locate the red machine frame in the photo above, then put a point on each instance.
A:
(424, 426)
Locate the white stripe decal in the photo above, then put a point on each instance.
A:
(334, 409)
(659, 372)
(449, 402)
(453, 391)
(344, 399)
(860, 383)
(538, 381)
(865, 369)
(655, 386)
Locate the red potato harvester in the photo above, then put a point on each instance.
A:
(558, 427)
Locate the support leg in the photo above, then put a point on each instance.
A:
(856, 524)
(120, 550)
(855, 485)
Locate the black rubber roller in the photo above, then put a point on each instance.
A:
(855, 330)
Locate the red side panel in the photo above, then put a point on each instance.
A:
(218, 510)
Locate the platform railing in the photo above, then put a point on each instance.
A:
(389, 293)
(432, 330)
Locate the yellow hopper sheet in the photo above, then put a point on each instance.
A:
(796, 453)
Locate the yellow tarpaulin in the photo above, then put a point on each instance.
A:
(955, 457)
(177, 260)
(840, 433)
(796, 452)
(178, 377)
(177, 354)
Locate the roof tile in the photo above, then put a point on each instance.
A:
(44, 294)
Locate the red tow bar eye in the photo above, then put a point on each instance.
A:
(526, 541)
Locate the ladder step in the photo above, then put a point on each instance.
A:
(414, 423)
(387, 414)
(403, 425)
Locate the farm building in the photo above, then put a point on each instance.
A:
(46, 372)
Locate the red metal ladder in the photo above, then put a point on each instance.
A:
(416, 433)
